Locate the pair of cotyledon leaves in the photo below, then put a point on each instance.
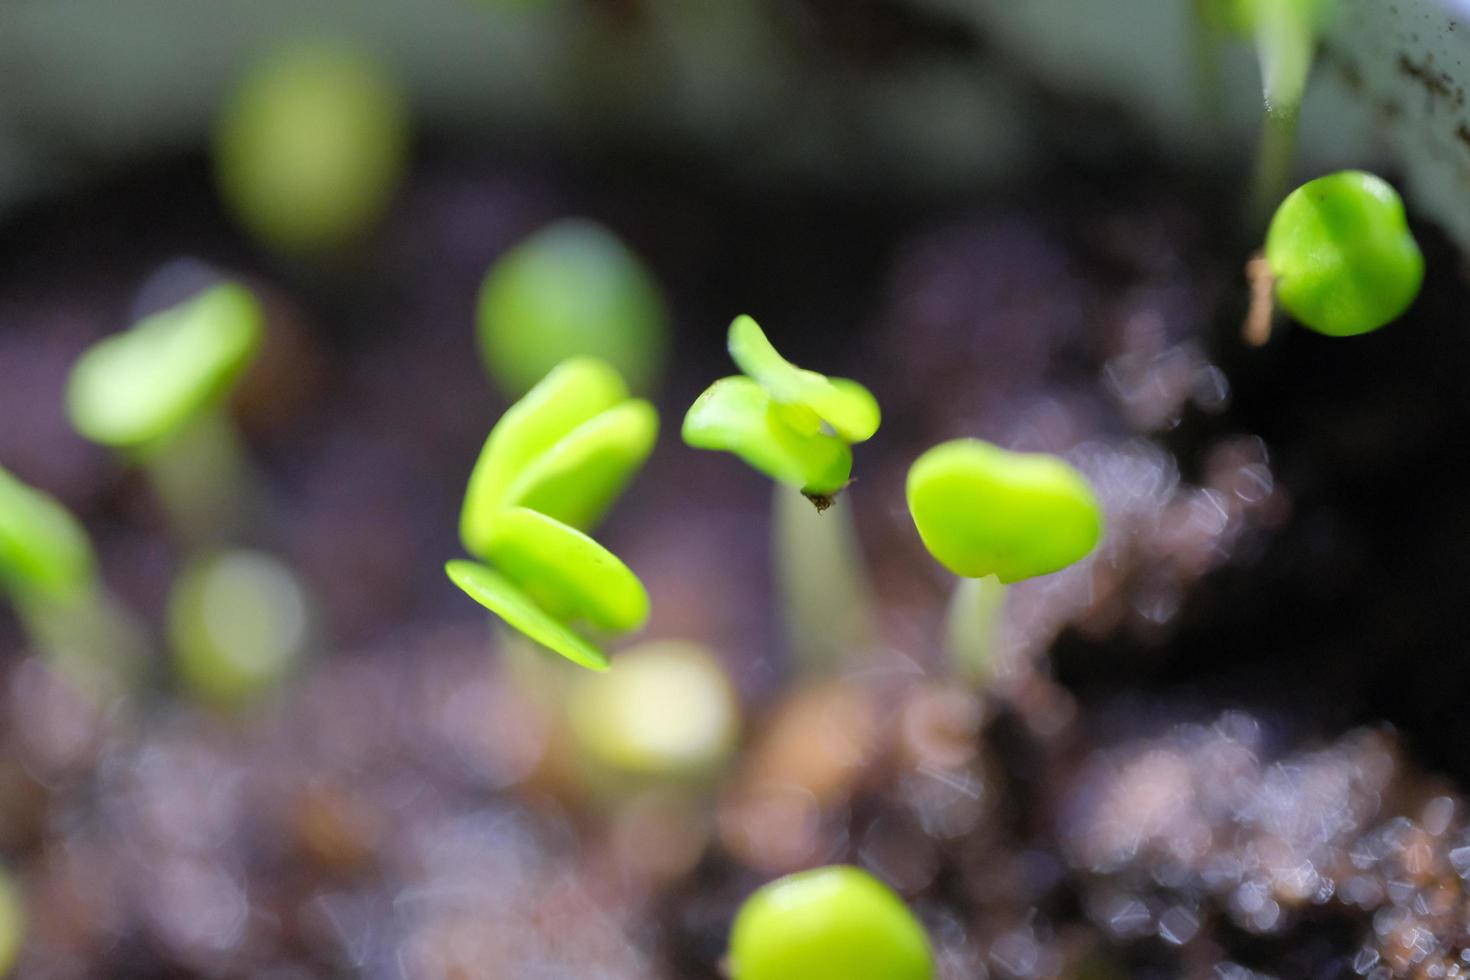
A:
(549, 470)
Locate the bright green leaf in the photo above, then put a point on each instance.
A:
(737, 415)
(569, 574)
(848, 407)
(135, 389)
(510, 603)
(44, 551)
(579, 478)
(982, 510)
(1342, 254)
(833, 923)
(574, 392)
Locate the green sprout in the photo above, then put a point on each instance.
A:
(669, 711)
(794, 425)
(572, 288)
(311, 145)
(48, 567)
(155, 393)
(549, 470)
(238, 623)
(833, 923)
(982, 510)
(1341, 255)
(12, 922)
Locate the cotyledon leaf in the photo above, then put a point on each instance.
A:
(508, 601)
(848, 407)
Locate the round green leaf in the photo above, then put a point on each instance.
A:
(848, 407)
(668, 710)
(311, 146)
(982, 510)
(737, 415)
(833, 923)
(569, 574)
(574, 392)
(570, 289)
(135, 389)
(579, 478)
(1342, 254)
(506, 600)
(44, 551)
(239, 622)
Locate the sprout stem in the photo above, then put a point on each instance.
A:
(205, 481)
(1275, 158)
(821, 579)
(91, 638)
(972, 627)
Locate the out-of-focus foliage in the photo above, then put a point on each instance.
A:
(571, 289)
(44, 550)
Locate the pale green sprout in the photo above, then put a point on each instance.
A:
(549, 470)
(12, 922)
(239, 623)
(972, 627)
(156, 391)
(819, 573)
(311, 145)
(832, 923)
(137, 389)
(982, 510)
(49, 569)
(794, 425)
(668, 711)
(571, 289)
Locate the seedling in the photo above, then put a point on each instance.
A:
(982, 510)
(833, 923)
(550, 469)
(12, 922)
(154, 392)
(822, 581)
(1340, 254)
(571, 289)
(668, 711)
(238, 624)
(311, 145)
(50, 572)
(794, 425)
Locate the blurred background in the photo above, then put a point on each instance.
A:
(1232, 743)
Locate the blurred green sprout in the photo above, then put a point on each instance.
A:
(1341, 255)
(12, 922)
(832, 923)
(49, 570)
(311, 145)
(238, 624)
(136, 389)
(549, 470)
(573, 288)
(794, 425)
(982, 510)
(668, 711)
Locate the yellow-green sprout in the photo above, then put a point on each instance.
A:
(136, 389)
(794, 425)
(12, 922)
(1341, 254)
(571, 289)
(550, 469)
(833, 923)
(669, 710)
(982, 510)
(311, 145)
(238, 623)
(49, 569)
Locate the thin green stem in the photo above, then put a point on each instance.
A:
(205, 481)
(91, 638)
(822, 582)
(972, 627)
